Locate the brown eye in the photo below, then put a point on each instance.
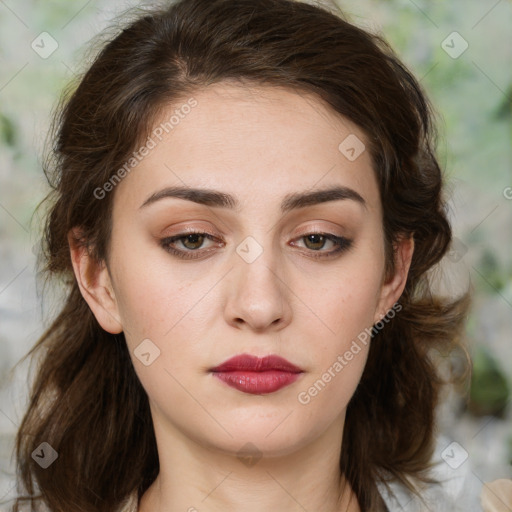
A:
(315, 242)
(191, 242)
(194, 239)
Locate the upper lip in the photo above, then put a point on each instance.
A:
(256, 364)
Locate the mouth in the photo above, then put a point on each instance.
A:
(255, 375)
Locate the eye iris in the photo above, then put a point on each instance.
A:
(320, 240)
(193, 239)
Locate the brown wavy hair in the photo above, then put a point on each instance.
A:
(86, 400)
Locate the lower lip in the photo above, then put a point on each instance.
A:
(257, 383)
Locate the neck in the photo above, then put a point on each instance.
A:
(194, 478)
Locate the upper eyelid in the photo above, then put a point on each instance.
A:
(221, 233)
(304, 233)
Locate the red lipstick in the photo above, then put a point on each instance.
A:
(257, 375)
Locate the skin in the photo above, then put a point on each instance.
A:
(258, 144)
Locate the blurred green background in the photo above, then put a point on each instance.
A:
(461, 51)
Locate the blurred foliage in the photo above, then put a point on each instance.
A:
(505, 109)
(490, 269)
(490, 390)
(7, 130)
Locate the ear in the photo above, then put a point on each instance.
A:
(393, 285)
(95, 284)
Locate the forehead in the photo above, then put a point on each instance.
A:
(254, 142)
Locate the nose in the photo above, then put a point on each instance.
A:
(257, 294)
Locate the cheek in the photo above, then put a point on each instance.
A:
(177, 312)
(339, 358)
(347, 311)
(152, 296)
(156, 306)
(346, 305)
(331, 389)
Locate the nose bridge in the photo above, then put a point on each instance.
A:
(258, 264)
(259, 249)
(258, 296)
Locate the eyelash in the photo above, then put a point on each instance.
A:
(343, 244)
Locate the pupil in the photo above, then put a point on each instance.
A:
(192, 238)
(319, 239)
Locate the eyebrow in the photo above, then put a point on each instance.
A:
(215, 198)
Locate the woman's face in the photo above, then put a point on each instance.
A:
(264, 283)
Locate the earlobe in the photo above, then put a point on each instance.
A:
(95, 284)
(394, 285)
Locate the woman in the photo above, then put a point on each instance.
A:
(246, 205)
